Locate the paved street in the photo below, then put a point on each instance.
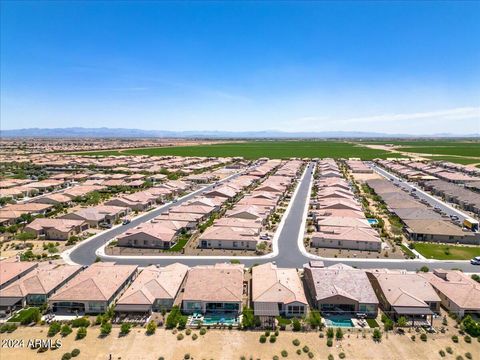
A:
(289, 253)
(431, 200)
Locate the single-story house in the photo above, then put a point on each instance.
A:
(93, 290)
(406, 294)
(277, 292)
(214, 289)
(459, 293)
(340, 289)
(56, 229)
(37, 286)
(154, 289)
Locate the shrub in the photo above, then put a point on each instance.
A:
(275, 357)
(305, 349)
(330, 333)
(188, 332)
(179, 336)
(413, 337)
(310, 355)
(423, 337)
(388, 324)
(54, 328)
(296, 342)
(467, 339)
(442, 353)
(66, 356)
(263, 339)
(459, 357)
(342, 355)
(173, 318)
(182, 322)
(80, 322)
(284, 353)
(267, 333)
(81, 332)
(468, 355)
(194, 337)
(8, 328)
(65, 330)
(329, 342)
(339, 334)
(377, 335)
(470, 326)
(75, 352)
(186, 356)
(330, 357)
(125, 328)
(273, 338)
(248, 318)
(106, 328)
(314, 319)
(151, 327)
(299, 352)
(455, 338)
(203, 331)
(296, 325)
(449, 350)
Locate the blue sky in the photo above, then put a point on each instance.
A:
(409, 67)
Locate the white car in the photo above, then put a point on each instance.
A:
(475, 260)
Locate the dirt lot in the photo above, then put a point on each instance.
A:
(233, 344)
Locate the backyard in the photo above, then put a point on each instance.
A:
(447, 252)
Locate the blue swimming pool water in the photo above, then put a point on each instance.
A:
(372, 221)
(219, 319)
(338, 322)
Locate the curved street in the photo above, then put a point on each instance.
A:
(289, 242)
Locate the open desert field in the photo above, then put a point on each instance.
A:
(234, 344)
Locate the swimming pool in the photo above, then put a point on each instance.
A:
(225, 319)
(372, 221)
(338, 322)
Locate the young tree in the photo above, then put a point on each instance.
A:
(151, 327)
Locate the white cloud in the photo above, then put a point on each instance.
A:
(462, 113)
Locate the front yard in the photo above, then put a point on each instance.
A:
(447, 252)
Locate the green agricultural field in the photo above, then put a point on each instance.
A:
(447, 252)
(257, 149)
(460, 149)
(424, 142)
(455, 159)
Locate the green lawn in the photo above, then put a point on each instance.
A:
(256, 149)
(447, 252)
(454, 159)
(24, 316)
(372, 323)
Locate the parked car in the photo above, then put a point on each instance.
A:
(126, 221)
(105, 225)
(475, 260)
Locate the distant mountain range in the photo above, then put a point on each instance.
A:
(79, 132)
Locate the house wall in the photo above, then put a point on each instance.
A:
(347, 244)
(228, 244)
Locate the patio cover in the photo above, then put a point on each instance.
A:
(266, 309)
(6, 302)
(405, 310)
